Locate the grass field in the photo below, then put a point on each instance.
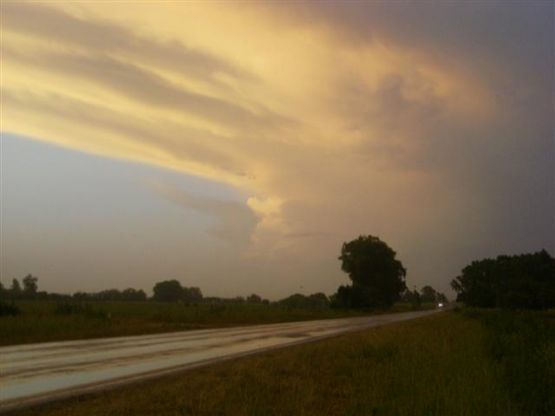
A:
(455, 363)
(42, 321)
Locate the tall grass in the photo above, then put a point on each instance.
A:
(522, 343)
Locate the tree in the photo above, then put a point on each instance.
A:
(319, 300)
(254, 298)
(442, 298)
(30, 285)
(416, 299)
(299, 301)
(191, 295)
(377, 277)
(131, 294)
(428, 294)
(16, 288)
(413, 297)
(168, 291)
(524, 281)
(172, 291)
(476, 285)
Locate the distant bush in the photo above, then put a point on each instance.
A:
(72, 308)
(9, 309)
(298, 301)
(113, 295)
(68, 308)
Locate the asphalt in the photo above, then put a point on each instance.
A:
(33, 374)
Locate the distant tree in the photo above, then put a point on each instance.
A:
(81, 296)
(442, 298)
(428, 294)
(476, 285)
(168, 291)
(319, 300)
(416, 299)
(299, 301)
(406, 296)
(15, 290)
(524, 281)
(131, 294)
(377, 277)
(254, 298)
(413, 297)
(107, 295)
(191, 295)
(30, 285)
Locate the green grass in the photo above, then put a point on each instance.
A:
(42, 321)
(522, 343)
(445, 364)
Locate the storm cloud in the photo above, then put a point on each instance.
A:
(427, 123)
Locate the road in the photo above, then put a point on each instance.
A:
(36, 373)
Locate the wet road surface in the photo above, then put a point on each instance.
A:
(35, 373)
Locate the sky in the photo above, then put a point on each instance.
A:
(235, 146)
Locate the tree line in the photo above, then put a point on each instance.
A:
(28, 290)
(164, 291)
(525, 281)
(426, 295)
(377, 281)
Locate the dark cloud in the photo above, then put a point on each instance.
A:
(519, 32)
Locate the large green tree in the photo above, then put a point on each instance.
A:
(377, 276)
(168, 291)
(172, 291)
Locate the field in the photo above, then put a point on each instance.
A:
(455, 363)
(42, 321)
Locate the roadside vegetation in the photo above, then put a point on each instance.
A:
(42, 321)
(471, 362)
(522, 344)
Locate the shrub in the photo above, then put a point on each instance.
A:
(9, 309)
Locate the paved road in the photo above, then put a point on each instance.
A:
(37, 373)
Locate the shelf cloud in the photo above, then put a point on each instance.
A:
(427, 123)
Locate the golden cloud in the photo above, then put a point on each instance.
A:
(294, 114)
